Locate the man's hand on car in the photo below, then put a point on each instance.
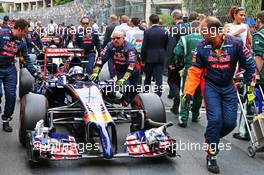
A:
(95, 74)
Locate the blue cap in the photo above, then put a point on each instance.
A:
(251, 22)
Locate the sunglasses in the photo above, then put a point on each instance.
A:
(85, 23)
(240, 8)
(116, 38)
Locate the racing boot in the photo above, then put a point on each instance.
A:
(7, 127)
(181, 122)
(212, 164)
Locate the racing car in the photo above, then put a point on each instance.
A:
(70, 99)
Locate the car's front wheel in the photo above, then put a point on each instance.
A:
(153, 107)
(33, 107)
(26, 81)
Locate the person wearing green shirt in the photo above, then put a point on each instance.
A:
(258, 46)
(183, 56)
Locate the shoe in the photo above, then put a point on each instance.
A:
(170, 96)
(7, 127)
(212, 164)
(195, 120)
(174, 111)
(238, 136)
(181, 123)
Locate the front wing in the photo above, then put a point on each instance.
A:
(57, 146)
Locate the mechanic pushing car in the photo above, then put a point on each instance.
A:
(10, 45)
(125, 65)
(87, 39)
(215, 60)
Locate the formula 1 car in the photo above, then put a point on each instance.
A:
(83, 106)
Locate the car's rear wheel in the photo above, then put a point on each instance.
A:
(33, 107)
(153, 107)
(26, 81)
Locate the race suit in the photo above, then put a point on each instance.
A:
(183, 53)
(124, 61)
(9, 48)
(217, 86)
(87, 40)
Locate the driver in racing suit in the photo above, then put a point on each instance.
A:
(215, 59)
(125, 65)
(10, 45)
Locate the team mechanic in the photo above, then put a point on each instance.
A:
(125, 65)
(216, 58)
(86, 39)
(10, 45)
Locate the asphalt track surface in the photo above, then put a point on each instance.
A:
(192, 162)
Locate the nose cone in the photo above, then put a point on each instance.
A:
(106, 142)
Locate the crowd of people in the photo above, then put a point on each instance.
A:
(201, 57)
(69, 13)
